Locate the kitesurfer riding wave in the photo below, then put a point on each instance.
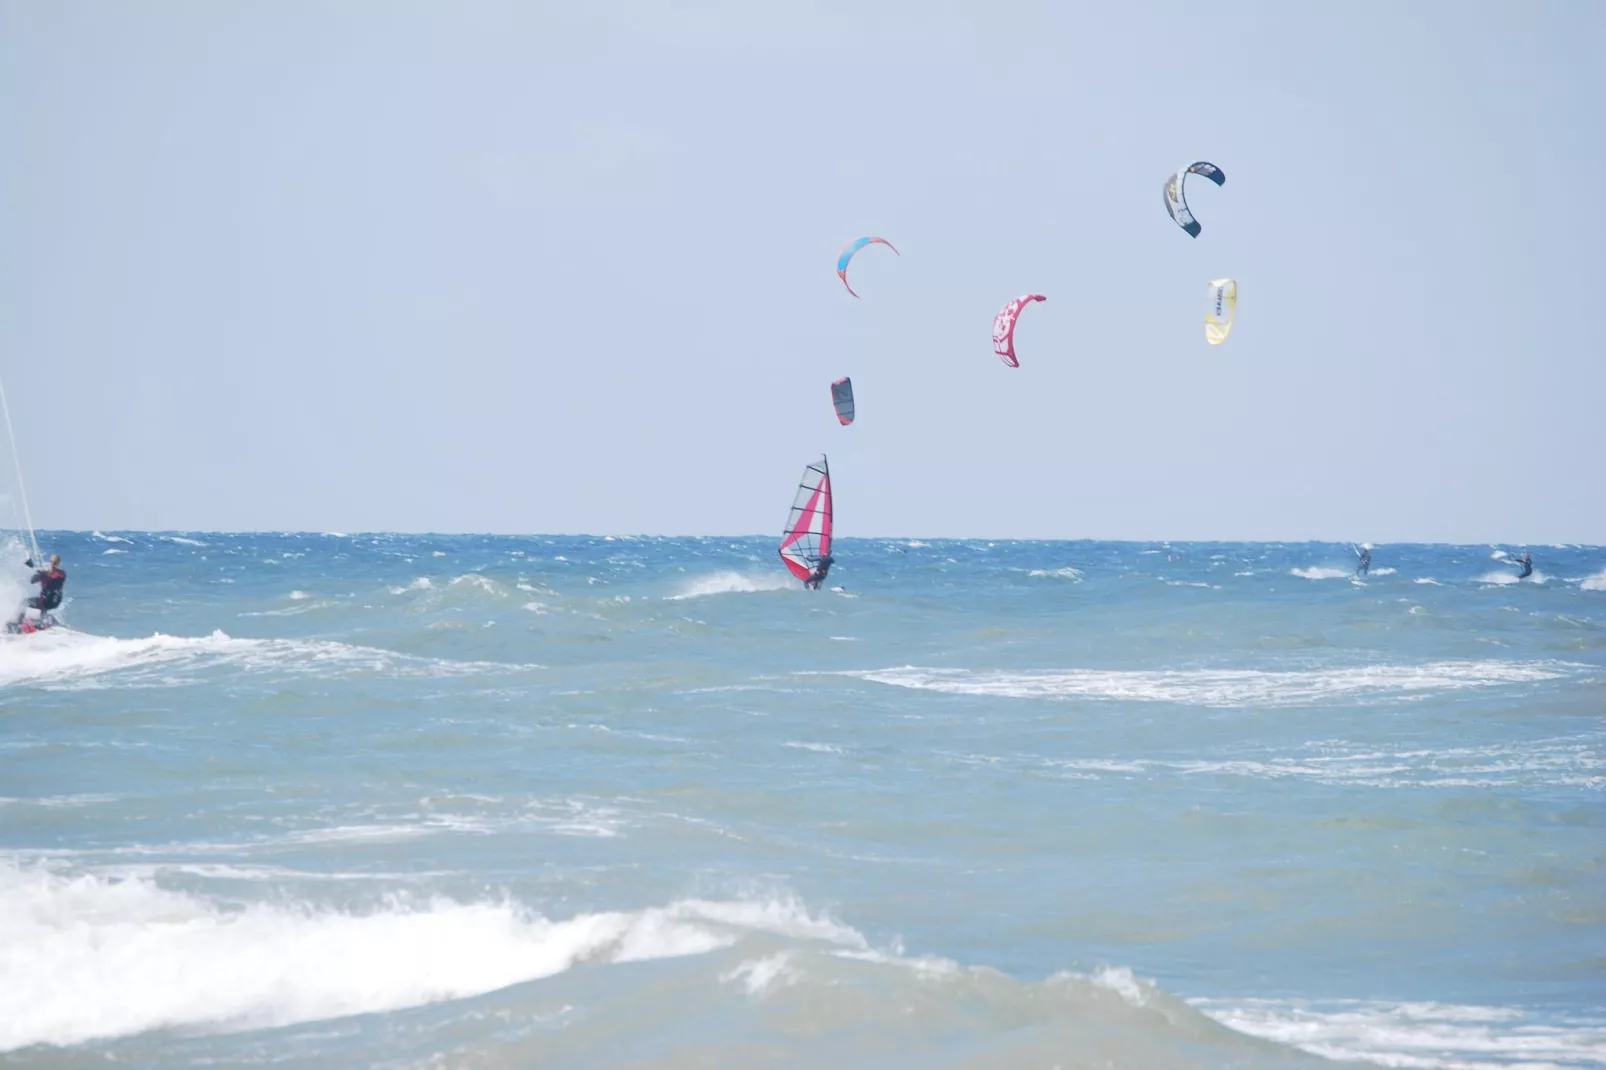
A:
(51, 580)
(1365, 562)
(1527, 563)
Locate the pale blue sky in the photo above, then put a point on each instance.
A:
(568, 267)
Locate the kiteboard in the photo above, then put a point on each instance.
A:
(29, 625)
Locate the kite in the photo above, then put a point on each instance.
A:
(1004, 328)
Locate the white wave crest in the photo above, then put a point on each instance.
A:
(1597, 582)
(1428, 1036)
(1429, 580)
(759, 976)
(65, 659)
(484, 583)
(88, 957)
(1066, 573)
(818, 748)
(182, 541)
(1319, 573)
(1382, 572)
(1221, 687)
(729, 583)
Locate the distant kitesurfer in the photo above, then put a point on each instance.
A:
(821, 569)
(50, 580)
(1365, 562)
(1527, 563)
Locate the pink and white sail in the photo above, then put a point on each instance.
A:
(807, 537)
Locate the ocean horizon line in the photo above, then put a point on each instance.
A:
(600, 535)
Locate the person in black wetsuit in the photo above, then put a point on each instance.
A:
(50, 580)
(1527, 563)
(821, 569)
(1364, 563)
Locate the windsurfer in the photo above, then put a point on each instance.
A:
(1527, 563)
(822, 568)
(1365, 562)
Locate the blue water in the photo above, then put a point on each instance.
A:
(429, 801)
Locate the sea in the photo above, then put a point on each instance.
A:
(485, 802)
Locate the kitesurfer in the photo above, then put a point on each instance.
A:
(50, 580)
(1527, 563)
(822, 567)
(1365, 561)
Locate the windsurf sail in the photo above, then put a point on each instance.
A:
(1221, 310)
(21, 519)
(842, 399)
(807, 537)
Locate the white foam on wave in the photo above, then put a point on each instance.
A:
(87, 957)
(484, 583)
(422, 583)
(288, 611)
(1319, 573)
(109, 538)
(182, 541)
(1385, 571)
(1597, 582)
(818, 748)
(1066, 573)
(66, 659)
(1221, 687)
(728, 582)
(1429, 580)
(112, 550)
(1501, 578)
(1564, 762)
(763, 975)
(1429, 1036)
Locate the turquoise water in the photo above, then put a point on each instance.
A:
(428, 801)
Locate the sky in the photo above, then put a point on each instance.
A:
(569, 268)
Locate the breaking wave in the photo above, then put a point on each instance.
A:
(1430, 1036)
(1319, 573)
(730, 583)
(1222, 687)
(65, 659)
(88, 957)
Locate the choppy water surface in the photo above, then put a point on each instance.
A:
(418, 801)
